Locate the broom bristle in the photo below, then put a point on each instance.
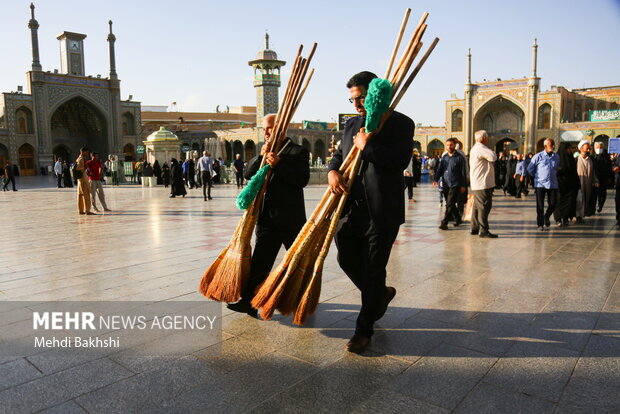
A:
(268, 286)
(290, 295)
(229, 278)
(208, 275)
(310, 299)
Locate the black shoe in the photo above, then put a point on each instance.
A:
(243, 307)
(474, 232)
(580, 220)
(210, 198)
(390, 292)
(547, 222)
(598, 210)
(205, 198)
(172, 196)
(358, 343)
(443, 226)
(488, 235)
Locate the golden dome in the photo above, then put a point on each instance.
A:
(162, 135)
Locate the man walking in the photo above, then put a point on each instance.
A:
(482, 176)
(282, 213)
(9, 176)
(588, 180)
(544, 169)
(83, 186)
(408, 175)
(205, 168)
(58, 172)
(375, 206)
(94, 168)
(519, 176)
(453, 171)
(238, 166)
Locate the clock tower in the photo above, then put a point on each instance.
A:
(266, 81)
(71, 53)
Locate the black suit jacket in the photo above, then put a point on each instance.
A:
(384, 158)
(284, 197)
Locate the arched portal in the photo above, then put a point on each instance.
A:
(229, 151)
(417, 146)
(4, 155)
(26, 159)
(78, 123)
(128, 124)
(435, 148)
(238, 149)
(129, 151)
(506, 145)
(250, 149)
(62, 151)
(319, 149)
(23, 115)
(503, 119)
(306, 144)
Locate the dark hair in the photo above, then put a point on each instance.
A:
(95, 154)
(83, 149)
(361, 79)
(453, 140)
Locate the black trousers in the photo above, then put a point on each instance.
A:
(205, 177)
(483, 201)
(461, 201)
(541, 214)
(59, 180)
(239, 179)
(521, 185)
(363, 254)
(409, 184)
(452, 211)
(269, 239)
(598, 197)
(9, 180)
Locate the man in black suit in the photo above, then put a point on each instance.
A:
(283, 212)
(375, 207)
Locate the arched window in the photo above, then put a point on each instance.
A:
(319, 149)
(544, 116)
(130, 152)
(24, 120)
(128, 124)
(26, 159)
(250, 149)
(457, 120)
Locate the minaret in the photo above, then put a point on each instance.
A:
(469, 97)
(533, 84)
(266, 81)
(34, 35)
(111, 40)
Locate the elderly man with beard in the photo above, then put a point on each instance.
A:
(588, 180)
(283, 212)
(375, 207)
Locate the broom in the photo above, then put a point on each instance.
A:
(270, 294)
(225, 279)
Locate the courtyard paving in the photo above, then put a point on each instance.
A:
(529, 322)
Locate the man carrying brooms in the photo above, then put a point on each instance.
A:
(375, 207)
(283, 212)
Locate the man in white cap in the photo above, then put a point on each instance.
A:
(587, 178)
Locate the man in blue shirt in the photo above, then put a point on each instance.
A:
(544, 169)
(454, 173)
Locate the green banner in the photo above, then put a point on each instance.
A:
(605, 115)
(315, 125)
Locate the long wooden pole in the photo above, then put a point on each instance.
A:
(397, 44)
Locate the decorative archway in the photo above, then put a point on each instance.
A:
(77, 123)
(128, 124)
(129, 151)
(505, 145)
(63, 152)
(435, 148)
(306, 144)
(250, 149)
(502, 118)
(417, 145)
(238, 149)
(26, 160)
(23, 115)
(544, 116)
(319, 149)
(457, 120)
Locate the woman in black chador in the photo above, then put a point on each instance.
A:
(66, 175)
(177, 186)
(165, 175)
(568, 186)
(157, 172)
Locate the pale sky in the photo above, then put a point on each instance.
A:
(195, 52)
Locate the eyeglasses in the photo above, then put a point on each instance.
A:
(358, 98)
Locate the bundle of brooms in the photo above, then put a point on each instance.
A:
(295, 285)
(225, 279)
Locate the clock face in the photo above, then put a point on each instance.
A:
(74, 45)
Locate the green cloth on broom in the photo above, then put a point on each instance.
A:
(251, 190)
(377, 102)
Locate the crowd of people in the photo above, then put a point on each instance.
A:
(572, 181)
